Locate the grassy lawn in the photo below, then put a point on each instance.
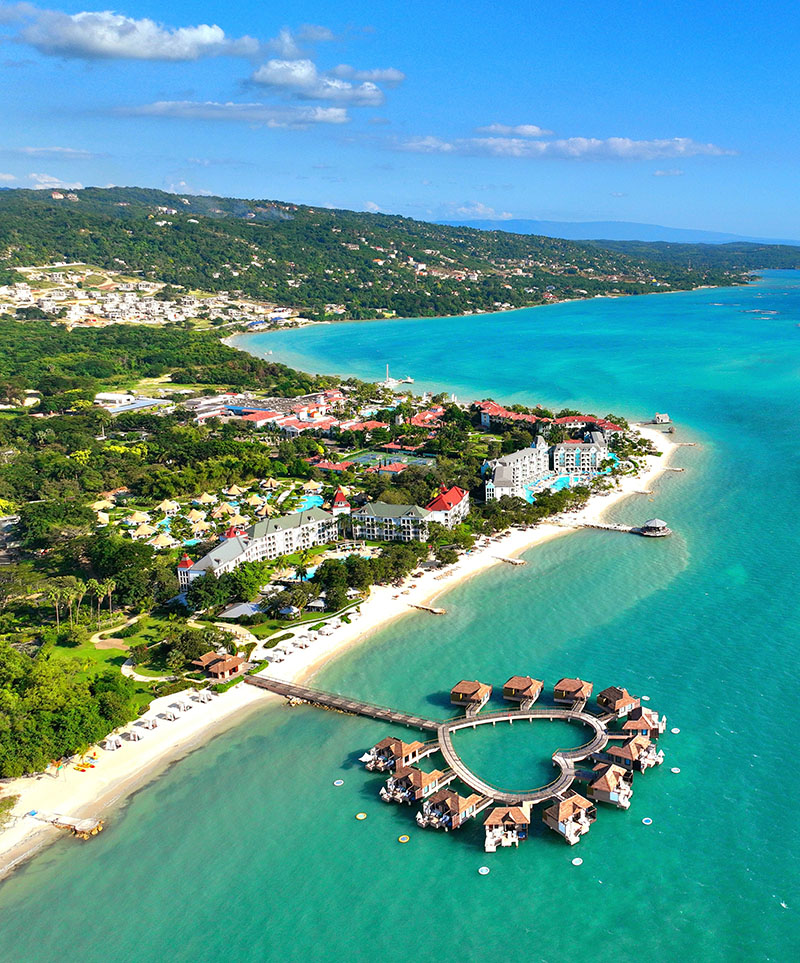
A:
(149, 629)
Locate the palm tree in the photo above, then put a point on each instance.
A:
(54, 597)
(81, 588)
(301, 569)
(108, 588)
(93, 588)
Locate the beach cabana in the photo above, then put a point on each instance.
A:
(235, 491)
(200, 528)
(162, 540)
(137, 518)
(253, 500)
(205, 499)
(238, 519)
(270, 484)
(222, 510)
(104, 505)
(150, 723)
(312, 486)
(195, 516)
(168, 507)
(144, 531)
(265, 509)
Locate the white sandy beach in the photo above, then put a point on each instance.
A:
(118, 773)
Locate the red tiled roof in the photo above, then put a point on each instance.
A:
(185, 561)
(447, 499)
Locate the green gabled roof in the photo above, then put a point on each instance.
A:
(385, 510)
(296, 520)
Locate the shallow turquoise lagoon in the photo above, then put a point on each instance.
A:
(246, 851)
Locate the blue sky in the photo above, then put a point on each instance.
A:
(680, 113)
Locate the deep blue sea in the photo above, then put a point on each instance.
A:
(246, 851)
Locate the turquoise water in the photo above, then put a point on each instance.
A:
(246, 851)
(310, 501)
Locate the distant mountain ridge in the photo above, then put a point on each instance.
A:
(613, 231)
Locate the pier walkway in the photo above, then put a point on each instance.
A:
(564, 759)
(331, 700)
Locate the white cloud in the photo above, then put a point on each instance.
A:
(479, 211)
(372, 207)
(45, 182)
(576, 148)
(314, 33)
(301, 79)
(672, 172)
(104, 34)
(65, 153)
(520, 130)
(253, 113)
(7, 177)
(388, 76)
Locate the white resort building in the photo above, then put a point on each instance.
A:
(265, 540)
(379, 521)
(450, 506)
(510, 474)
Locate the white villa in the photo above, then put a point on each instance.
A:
(379, 521)
(265, 540)
(450, 506)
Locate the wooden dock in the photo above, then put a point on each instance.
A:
(332, 700)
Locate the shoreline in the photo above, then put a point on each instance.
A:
(121, 773)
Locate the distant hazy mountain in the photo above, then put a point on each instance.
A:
(613, 231)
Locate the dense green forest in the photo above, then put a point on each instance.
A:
(70, 366)
(736, 256)
(309, 257)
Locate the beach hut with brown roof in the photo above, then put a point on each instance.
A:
(617, 700)
(391, 754)
(611, 784)
(644, 722)
(506, 826)
(570, 817)
(409, 785)
(635, 753)
(522, 689)
(569, 691)
(471, 696)
(447, 810)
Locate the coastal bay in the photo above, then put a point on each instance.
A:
(690, 621)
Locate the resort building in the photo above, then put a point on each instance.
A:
(472, 696)
(447, 810)
(522, 689)
(635, 753)
(450, 506)
(409, 785)
(645, 722)
(220, 667)
(576, 457)
(571, 817)
(569, 691)
(507, 826)
(611, 784)
(511, 474)
(340, 504)
(390, 754)
(265, 540)
(617, 700)
(381, 522)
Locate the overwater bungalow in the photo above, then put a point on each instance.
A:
(569, 691)
(507, 826)
(642, 721)
(570, 817)
(391, 754)
(472, 696)
(617, 700)
(611, 784)
(447, 810)
(522, 689)
(635, 753)
(409, 785)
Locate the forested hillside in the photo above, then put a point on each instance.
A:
(311, 258)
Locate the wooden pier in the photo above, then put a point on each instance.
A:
(331, 700)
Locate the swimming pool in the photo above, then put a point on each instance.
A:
(310, 501)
